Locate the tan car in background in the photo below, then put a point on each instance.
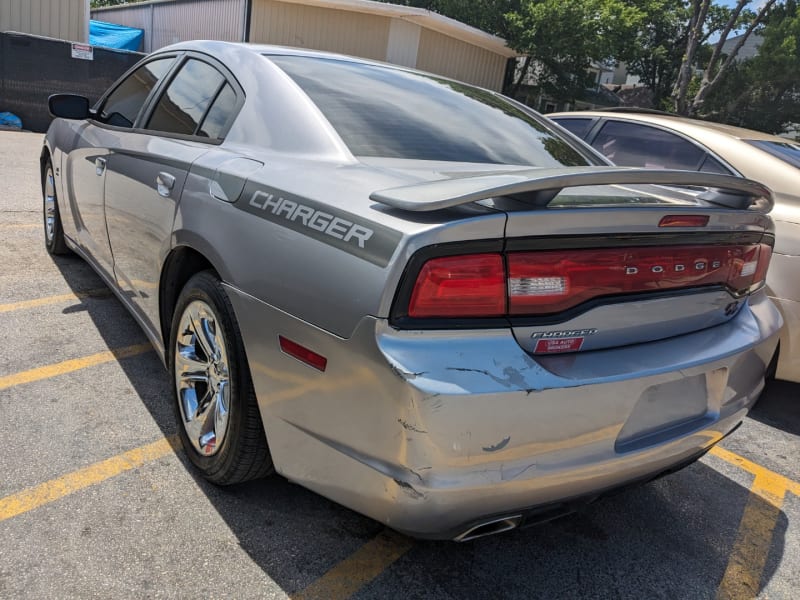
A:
(639, 138)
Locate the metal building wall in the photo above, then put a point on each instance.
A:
(384, 37)
(137, 16)
(348, 32)
(60, 19)
(167, 22)
(450, 57)
(403, 43)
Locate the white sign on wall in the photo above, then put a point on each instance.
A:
(82, 51)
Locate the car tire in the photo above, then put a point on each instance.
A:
(53, 231)
(215, 405)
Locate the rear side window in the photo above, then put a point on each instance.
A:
(123, 104)
(635, 145)
(219, 114)
(184, 104)
(786, 151)
(579, 127)
(386, 112)
(712, 165)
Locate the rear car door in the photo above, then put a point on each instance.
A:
(147, 173)
(95, 141)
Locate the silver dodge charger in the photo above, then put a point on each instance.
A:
(412, 296)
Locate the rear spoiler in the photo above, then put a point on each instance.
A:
(544, 184)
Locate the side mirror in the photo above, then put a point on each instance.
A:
(68, 106)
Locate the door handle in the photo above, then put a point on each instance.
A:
(165, 182)
(99, 165)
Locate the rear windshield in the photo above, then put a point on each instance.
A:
(385, 112)
(786, 151)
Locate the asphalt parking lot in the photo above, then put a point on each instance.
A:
(98, 500)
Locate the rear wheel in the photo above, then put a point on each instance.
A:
(215, 405)
(53, 232)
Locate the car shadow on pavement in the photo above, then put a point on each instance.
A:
(779, 406)
(670, 538)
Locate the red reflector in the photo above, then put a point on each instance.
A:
(558, 345)
(460, 286)
(683, 221)
(303, 354)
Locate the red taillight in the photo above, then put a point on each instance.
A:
(588, 274)
(460, 286)
(552, 281)
(751, 267)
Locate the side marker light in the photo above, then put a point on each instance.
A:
(303, 354)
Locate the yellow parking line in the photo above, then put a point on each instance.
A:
(55, 489)
(75, 364)
(742, 579)
(748, 558)
(20, 225)
(775, 479)
(97, 293)
(357, 570)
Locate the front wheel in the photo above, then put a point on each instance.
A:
(53, 232)
(215, 405)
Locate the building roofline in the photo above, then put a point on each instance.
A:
(420, 16)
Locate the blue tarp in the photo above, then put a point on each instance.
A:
(110, 35)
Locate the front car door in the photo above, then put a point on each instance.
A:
(94, 142)
(146, 174)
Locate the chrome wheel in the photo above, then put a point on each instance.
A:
(49, 205)
(202, 378)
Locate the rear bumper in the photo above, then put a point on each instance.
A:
(431, 433)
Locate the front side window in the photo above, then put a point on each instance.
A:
(386, 112)
(634, 145)
(186, 100)
(123, 104)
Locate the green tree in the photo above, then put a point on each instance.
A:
(764, 92)
(658, 46)
(564, 39)
(660, 43)
(707, 19)
(559, 40)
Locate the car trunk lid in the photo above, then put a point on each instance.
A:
(591, 258)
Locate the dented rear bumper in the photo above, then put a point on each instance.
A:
(432, 432)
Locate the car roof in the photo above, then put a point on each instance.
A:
(217, 47)
(693, 127)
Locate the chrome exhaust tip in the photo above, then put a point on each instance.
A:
(490, 528)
